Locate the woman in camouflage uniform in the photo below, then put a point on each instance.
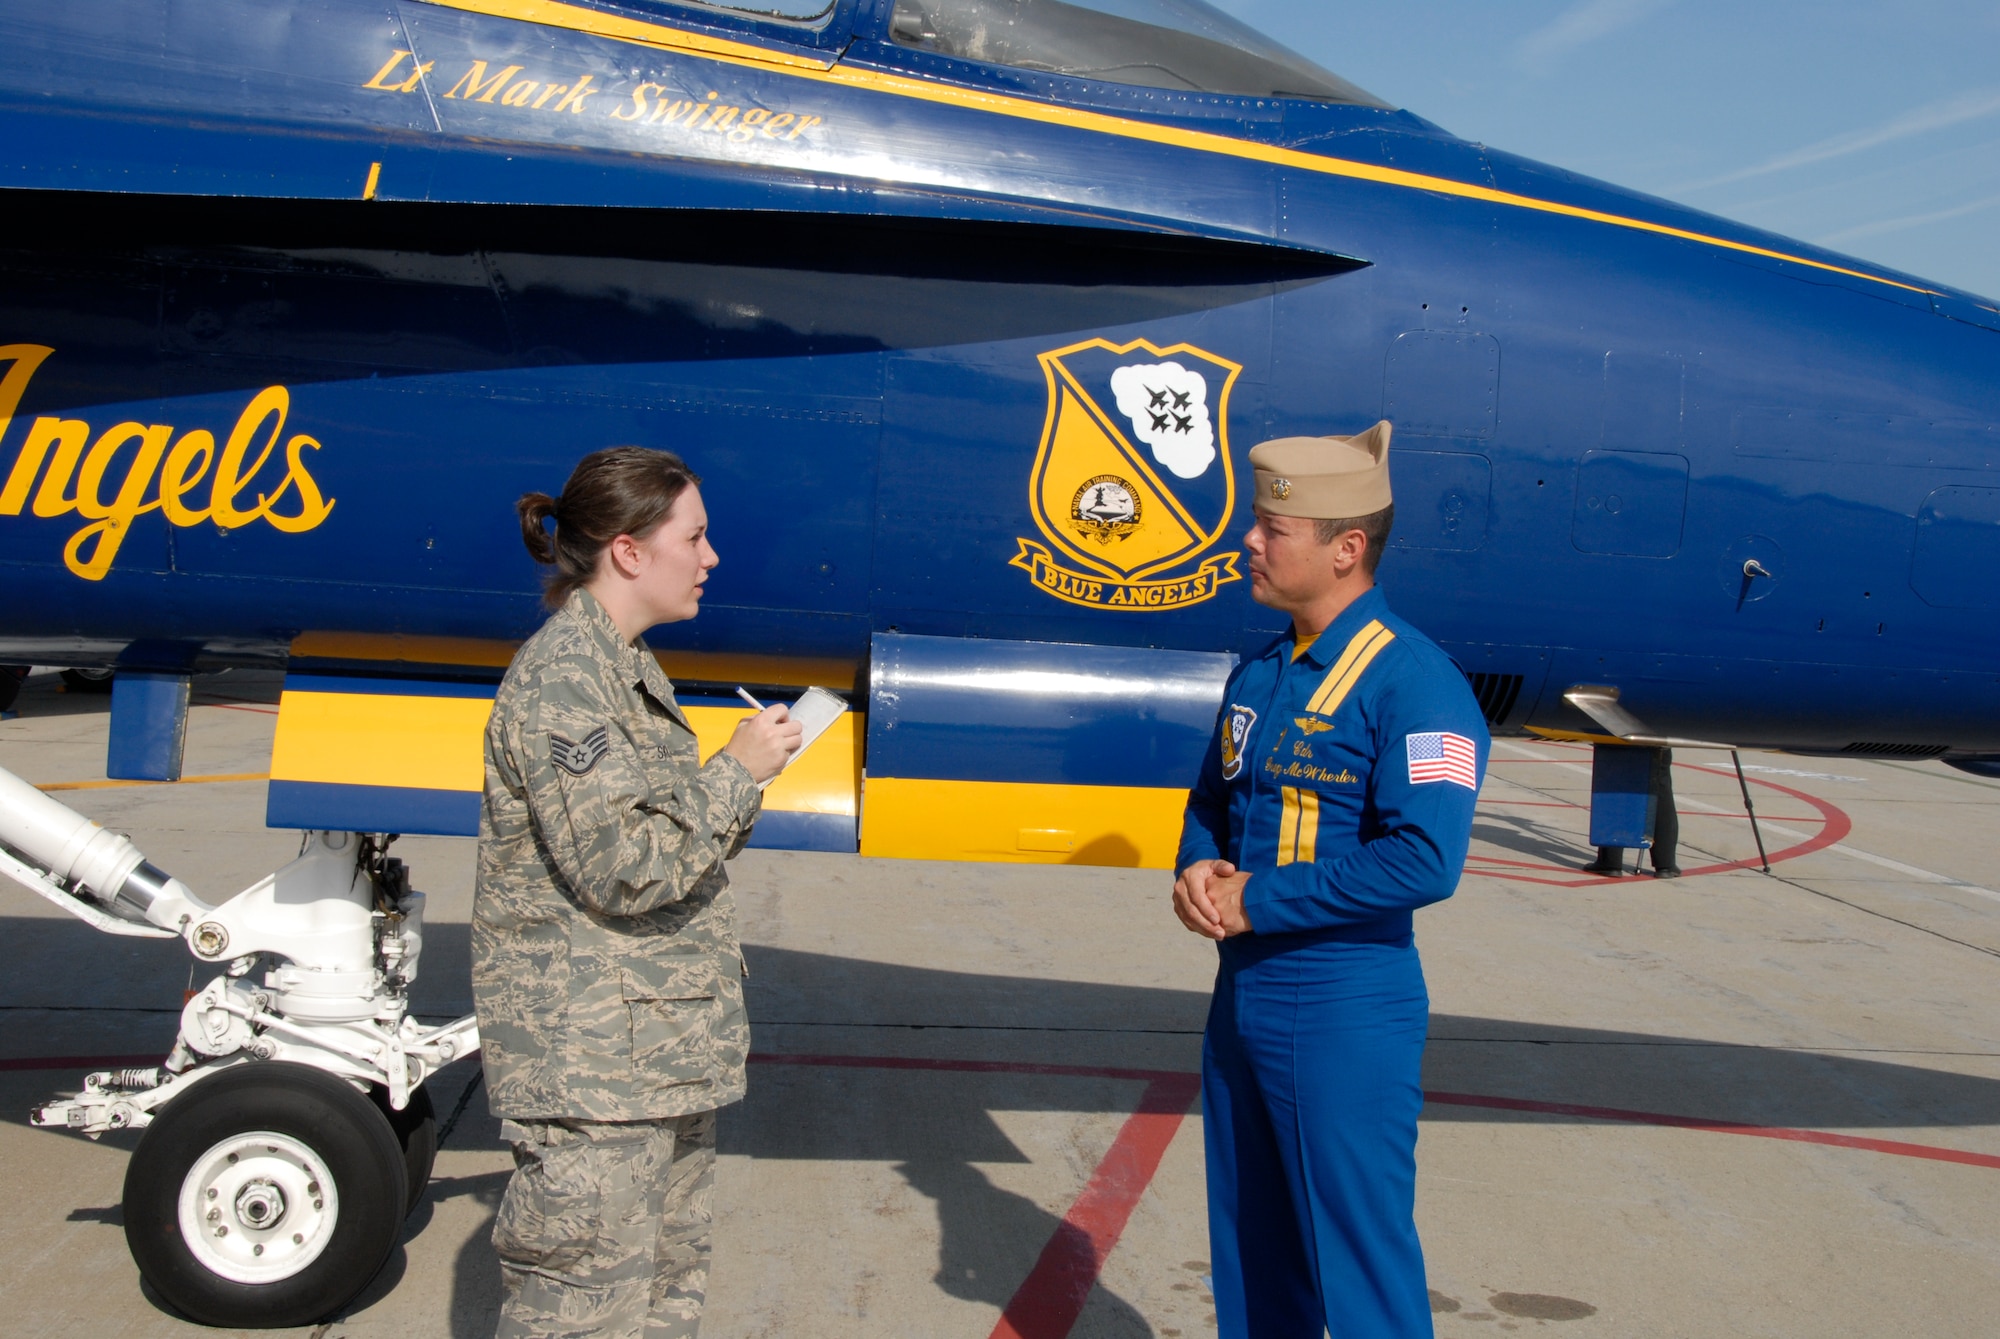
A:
(605, 968)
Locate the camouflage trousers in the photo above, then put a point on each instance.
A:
(604, 1230)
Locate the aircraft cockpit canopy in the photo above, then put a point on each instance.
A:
(795, 11)
(1178, 44)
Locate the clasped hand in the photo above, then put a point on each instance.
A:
(1208, 897)
(764, 742)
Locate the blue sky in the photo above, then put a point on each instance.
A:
(1872, 128)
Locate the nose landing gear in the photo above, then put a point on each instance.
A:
(267, 1195)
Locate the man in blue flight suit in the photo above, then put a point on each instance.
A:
(1336, 800)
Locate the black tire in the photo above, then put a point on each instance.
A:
(416, 1128)
(294, 1127)
(89, 680)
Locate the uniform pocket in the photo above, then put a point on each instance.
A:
(575, 1220)
(549, 1218)
(675, 1016)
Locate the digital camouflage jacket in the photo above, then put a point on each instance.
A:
(605, 967)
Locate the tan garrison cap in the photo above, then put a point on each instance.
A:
(1324, 478)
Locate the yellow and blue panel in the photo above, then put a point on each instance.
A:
(1034, 752)
(387, 737)
(975, 749)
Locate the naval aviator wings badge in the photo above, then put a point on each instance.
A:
(1133, 482)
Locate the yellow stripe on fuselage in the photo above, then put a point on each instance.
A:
(395, 647)
(600, 24)
(472, 652)
(376, 739)
(437, 743)
(827, 780)
(821, 70)
(1022, 822)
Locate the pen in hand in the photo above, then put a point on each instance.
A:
(764, 744)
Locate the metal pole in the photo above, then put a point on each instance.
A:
(1750, 809)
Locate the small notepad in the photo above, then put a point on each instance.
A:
(815, 710)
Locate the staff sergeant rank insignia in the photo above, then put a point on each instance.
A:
(1133, 482)
(578, 759)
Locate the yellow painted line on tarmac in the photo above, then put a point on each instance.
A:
(184, 781)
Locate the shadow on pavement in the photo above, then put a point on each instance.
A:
(1525, 837)
(46, 695)
(937, 1127)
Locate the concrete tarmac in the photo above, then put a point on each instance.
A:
(1731, 1104)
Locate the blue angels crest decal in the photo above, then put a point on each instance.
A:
(1235, 739)
(1133, 482)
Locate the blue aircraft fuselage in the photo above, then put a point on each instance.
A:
(299, 298)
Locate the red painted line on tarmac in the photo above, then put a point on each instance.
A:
(1929, 1152)
(1834, 823)
(966, 1066)
(1485, 803)
(1050, 1299)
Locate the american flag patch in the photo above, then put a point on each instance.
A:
(1443, 757)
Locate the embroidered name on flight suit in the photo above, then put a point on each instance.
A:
(1298, 819)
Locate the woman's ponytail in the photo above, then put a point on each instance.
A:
(621, 490)
(535, 510)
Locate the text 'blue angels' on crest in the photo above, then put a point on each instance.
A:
(1133, 482)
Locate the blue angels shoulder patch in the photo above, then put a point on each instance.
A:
(1235, 739)
(578, 759)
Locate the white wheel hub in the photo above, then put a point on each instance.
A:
(258, 1207)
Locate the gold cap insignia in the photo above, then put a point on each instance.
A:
(1324, 476)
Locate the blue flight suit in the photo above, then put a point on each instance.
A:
(1344, 782)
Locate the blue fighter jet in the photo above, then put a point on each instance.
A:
(297, 298)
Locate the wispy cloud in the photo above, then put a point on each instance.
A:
(1969, 166)
(1581, 24)
(1881, 226)
(1939, 115)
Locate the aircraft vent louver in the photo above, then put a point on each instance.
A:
(1497, 694)
(1896, 750)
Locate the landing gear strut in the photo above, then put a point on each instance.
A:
(288, 1133)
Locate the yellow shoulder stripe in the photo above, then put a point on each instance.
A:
(1346, 672)
(597, 23)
